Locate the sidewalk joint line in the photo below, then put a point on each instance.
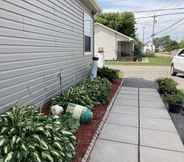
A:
(151, 129)
(121, 125)
(139, 129)
(125, 114)
(117, 141)
(164, 149)
(159, 130)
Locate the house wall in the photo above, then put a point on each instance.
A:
(40, 40)
(106, 40)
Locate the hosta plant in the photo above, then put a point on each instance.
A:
(108, 73)
(76, 95)
(97, 89)
(24, 137)
(66, 122)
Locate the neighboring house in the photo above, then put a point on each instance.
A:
(42, 47)
(113, 44)
(149, 48)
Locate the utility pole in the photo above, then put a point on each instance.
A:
(153, 33)
(143, 36)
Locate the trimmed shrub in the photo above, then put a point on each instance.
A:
(167, 86)
(27, 136)
(108, 73)
(177, 98)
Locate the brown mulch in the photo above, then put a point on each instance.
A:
(86, 131)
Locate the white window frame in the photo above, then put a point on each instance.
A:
(86, 33)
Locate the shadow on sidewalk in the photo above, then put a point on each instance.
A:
(139, 83)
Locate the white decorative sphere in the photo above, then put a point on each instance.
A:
(57, 110)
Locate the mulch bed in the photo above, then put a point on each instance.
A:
(86, 131)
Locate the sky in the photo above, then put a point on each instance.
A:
(175, 31)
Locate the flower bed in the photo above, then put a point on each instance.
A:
(86, 132)
(27, 135)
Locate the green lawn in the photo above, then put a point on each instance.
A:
(121, 75)
(152, 61)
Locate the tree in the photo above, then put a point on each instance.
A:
(181, 44)
(172, 46)
(165, 43)
(123, 22)
(138, 48)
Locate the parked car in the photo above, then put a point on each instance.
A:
(177, 65)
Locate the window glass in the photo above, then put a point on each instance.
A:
(88, 32)
(181, 53)
(87, 44)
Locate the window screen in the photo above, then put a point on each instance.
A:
(88, 32)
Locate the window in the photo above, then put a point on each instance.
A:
(88, 33)
(87, 44)
(181, 53)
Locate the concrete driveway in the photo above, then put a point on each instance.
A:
(150, 73)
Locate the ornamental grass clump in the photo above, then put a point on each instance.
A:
(27, 136)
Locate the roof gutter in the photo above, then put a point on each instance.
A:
(93, 5)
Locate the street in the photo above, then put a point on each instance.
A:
(150, 73)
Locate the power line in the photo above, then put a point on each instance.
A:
(170, 31)
(158, 10)
(159, 22)
(148, 38)
(170, 26)
(167, 14)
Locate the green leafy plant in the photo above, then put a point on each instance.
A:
(77, 95)
(27, 136)
(86, 93)
(97, 89)
(108, 73)
(175, 99)
(167, 86)
(179, 97)
(175, 102)
(68, 123)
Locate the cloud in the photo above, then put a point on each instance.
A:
(162, 22)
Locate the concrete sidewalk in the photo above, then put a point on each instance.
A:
(138, 129)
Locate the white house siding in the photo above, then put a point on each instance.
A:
(107, 40)
(39, 39)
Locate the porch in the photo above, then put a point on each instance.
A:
(124, 49)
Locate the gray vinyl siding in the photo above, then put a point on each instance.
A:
(39, 39)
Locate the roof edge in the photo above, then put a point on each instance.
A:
(114, 31)
(94, 5)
